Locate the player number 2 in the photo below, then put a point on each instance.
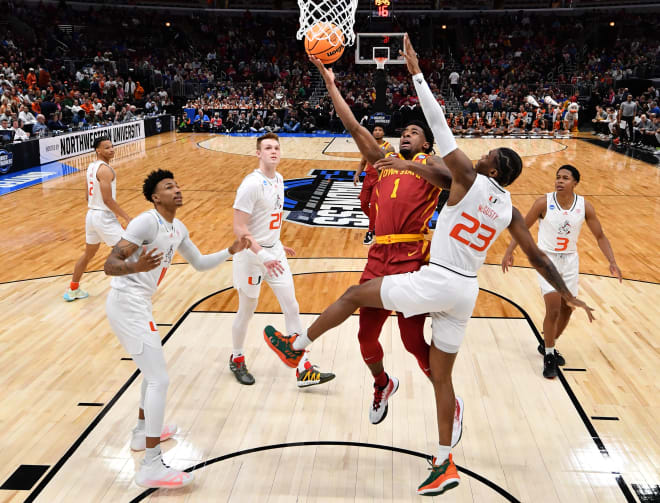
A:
(396, 187)
(276, 221)
(472, 229)
(562, 244)
(91, 186)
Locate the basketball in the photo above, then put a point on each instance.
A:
(329, 47)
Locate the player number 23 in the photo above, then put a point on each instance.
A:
(471, 228)
(276, 221)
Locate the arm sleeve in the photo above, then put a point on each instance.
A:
(246, 196)
(141, 230)
(435, 117)
(200, 262)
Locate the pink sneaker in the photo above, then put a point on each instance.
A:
(158, 474)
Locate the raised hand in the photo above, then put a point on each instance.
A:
(148, 260)
(410, 56)
(327, 73)
(392, 163)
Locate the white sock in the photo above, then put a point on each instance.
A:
(442, 454)
(549, 351)
(237, 353)
(301, 365)
(140, 425)
(302, 341)
(152, 454)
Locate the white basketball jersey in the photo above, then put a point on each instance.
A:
(263, 199)
(157, 233)
(559, 230)
(95, 200)
(465, 231)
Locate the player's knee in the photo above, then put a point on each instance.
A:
(159, 382)
(352, 294)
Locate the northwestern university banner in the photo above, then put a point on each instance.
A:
(66, 145)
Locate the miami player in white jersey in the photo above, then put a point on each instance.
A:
(101, 223)
(560, 215)
(138, 263)
(477, 211)
(258, 212)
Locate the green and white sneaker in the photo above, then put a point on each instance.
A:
(71, 295)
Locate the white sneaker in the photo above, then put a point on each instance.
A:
(378, 409)
(139, 439)
(71, 295)
(158, 474)
(457, 430)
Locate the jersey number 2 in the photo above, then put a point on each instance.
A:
(276, 222)
(471, 229)
(91, 187)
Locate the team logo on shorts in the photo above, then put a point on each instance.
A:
(253, 282)
(327, 198)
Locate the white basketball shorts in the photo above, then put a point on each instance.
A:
(447, 296)
(102, 226)
(568, 265)
(132, 321)
(249, 273)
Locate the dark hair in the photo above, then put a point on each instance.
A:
(98, 140)
(574, 171)
(267, 136)
(428, 134)
(509, 166)
(150, 182)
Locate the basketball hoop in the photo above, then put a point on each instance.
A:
(339, 13)
(380, 63)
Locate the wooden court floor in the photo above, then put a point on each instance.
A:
(68, 393)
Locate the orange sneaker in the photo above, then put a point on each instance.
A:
(443, 477)
(283, 346)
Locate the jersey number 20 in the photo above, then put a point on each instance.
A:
(472, 228)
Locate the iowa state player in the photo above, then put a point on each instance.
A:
(560, 215)
(258, 211)
(367, 194)
(139, 262)
(477, 211)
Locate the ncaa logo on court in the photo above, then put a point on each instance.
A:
(6, 161)
(327, 198)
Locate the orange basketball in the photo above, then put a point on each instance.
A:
(329, 49)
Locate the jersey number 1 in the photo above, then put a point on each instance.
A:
(471, 229)
(276, 221)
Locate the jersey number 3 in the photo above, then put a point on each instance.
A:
(562, 244)
(276, 221)
(472, 228)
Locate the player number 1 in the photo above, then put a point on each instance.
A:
(396, 187)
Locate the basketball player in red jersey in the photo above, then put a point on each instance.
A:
(367, 195)
(477, 211)
(404, 204)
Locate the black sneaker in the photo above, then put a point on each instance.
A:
(240, 371)
(550, 369)
(368, 238)
(560, 358)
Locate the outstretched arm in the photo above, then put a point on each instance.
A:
(603, 243)
(542, 263)
(201, 262)
(365, 141)
(434, 171)
(458, 163)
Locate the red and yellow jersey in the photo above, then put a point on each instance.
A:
(369, 170)
(405, 202)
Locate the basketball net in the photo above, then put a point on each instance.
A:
(380, 63)
(341, 13)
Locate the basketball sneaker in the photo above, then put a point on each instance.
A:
(78, 293)
(457, 430)
(139, 439)
(311, 376)
(560, 358)
(550, 369)
(368, 238)
(378, 410)
(157, 474)
(240, 371)
(283, 346)
(443, 477)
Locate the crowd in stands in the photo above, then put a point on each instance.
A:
(248, 73)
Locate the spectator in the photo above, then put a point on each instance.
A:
(19, 133)
(55, 124)
(26, 116)
(40, 128)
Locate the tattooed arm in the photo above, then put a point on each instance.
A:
(117, 265)
(541, 262)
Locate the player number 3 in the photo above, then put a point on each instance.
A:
(472, 228)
